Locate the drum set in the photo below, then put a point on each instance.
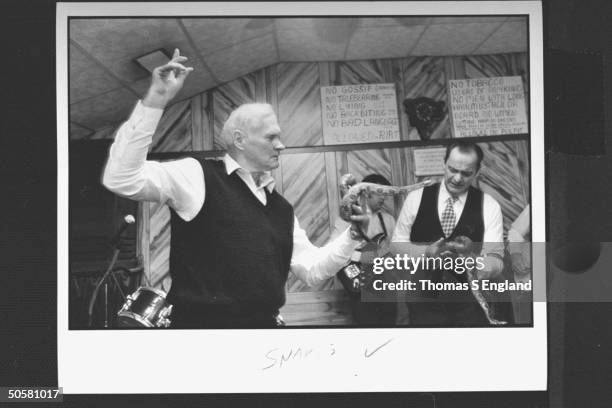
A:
(146, 307)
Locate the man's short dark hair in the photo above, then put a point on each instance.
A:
(376, 179)
(465, 147)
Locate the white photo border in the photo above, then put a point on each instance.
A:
(317, 360)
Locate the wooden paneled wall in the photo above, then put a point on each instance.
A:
(308, 179)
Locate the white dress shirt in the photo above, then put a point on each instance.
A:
(180, 185)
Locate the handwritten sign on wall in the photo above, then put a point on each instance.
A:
(429, 162)
(488, 106)
(359, 114)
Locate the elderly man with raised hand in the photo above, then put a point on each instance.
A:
(234, 238)
(444, 213)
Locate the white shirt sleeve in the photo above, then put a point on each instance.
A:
(519, 230)
(312, 264)
(400, 243)
(410, 209)
(179, 183)
(493, 239)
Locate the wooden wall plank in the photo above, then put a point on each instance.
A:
(361, 72)
(173, 134)
(271, 86)
(397, 167)
(228, 97)
(304, 186)
(405, 174)
(269, 95)
(277, 174)
(454, 69)
(478, 66)
(208, 136)
(316, 297)
(522, 156)
(299, 103)
(425, 76)
(197, 123)
(331, 307)
(364, 162)
(261, 86)
(144, 239)
(157, 269)
(327, 74)
(342, 162)
(401, 95)
(515, 64)
(502, 177)
(333, 192)
(399, 176)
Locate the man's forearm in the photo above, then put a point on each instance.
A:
(314, 265)
(155, 99)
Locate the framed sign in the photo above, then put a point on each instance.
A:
(429, 162)
(488, 106)
(359, 114)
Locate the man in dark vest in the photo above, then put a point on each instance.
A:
(436, 215)
(234, 238)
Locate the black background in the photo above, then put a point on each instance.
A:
(579, 197)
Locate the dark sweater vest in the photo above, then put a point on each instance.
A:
(427, 228)
(233, 258)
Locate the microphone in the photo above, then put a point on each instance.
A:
(127, 220)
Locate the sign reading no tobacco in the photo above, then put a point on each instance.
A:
(488, 106)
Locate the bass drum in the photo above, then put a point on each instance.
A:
(146, 307)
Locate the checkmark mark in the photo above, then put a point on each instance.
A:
(367, 355)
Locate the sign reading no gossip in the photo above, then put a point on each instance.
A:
(359, 114)
(488, 106)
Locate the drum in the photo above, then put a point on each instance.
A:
(147, 307)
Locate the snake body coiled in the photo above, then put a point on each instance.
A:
(484, 305)
(462, 246)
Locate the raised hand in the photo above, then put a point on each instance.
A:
(167, 81)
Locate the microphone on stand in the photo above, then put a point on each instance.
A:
(127, 220)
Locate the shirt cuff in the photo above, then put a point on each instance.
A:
(146, 118)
